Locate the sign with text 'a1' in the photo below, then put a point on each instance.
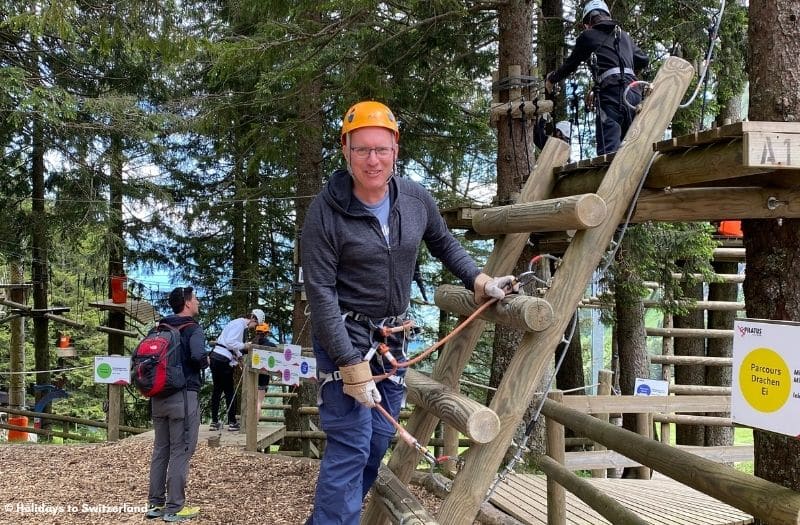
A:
(287, 362)
(765, 392)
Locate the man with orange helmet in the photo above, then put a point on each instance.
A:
(359, 246)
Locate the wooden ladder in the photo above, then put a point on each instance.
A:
(545, 319)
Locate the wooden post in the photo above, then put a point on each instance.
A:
(603, 389)
(643, 426)
(585, 251)
(114, 413)
(250, 413)
(450, 448)
(456, 354)
(666, 372)
(556, 496)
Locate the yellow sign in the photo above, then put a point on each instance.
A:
(766, 375)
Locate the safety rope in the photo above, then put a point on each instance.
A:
(46, 371)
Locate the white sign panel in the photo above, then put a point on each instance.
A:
(766, 375)
(112, 369)
(650, 387)
(287, 362)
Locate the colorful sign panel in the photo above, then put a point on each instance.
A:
(765, 392)
(286, 362)
(112, 369)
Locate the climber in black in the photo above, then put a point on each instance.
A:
(614, 60)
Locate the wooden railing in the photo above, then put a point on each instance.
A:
(696, 467)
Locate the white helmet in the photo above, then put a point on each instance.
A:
(594, 5)
(258, 314)
(565, 128)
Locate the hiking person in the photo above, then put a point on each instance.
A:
(614, 60)
(176, 417)
(224, 358)
(359, 247)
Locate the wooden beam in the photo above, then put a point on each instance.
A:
(117, 331)
(690, 360)
(397, 501)
(701, 390)
(64, 320)
(605, 459)
(521, 312)
(576, 212)
(707, 333)
(535, 352)
(767, 501)
(532, 109)
(771, 149)
(692, 204)
(685, 419)
(638, 404)
(476, 421)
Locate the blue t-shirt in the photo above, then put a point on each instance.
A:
(381, 212)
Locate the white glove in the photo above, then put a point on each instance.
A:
(499, 287)
(494, 287)
(358, 383)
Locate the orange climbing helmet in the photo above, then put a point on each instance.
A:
(368, 113)
(262, 328)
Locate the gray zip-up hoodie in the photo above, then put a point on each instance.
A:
(347, 265)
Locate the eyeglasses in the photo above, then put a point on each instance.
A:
(363, 152)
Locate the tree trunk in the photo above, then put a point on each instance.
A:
(720, 375)
(16, 389)
(772, 282)
(116, 266)
(515, 153)
(39, 272)
(630, 337)
(309, 182)
(690, 374)
(550, 49)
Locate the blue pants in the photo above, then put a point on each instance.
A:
(358, 438)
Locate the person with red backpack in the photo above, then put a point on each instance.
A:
(176, 414)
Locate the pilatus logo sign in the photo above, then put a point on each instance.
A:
(749, 330)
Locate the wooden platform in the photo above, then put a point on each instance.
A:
(138, 309)
(267, 435)
(660, 501)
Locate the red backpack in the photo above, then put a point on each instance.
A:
(157, 362)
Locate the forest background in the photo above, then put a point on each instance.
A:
(188, 138)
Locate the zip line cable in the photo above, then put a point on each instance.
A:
(707, 62)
